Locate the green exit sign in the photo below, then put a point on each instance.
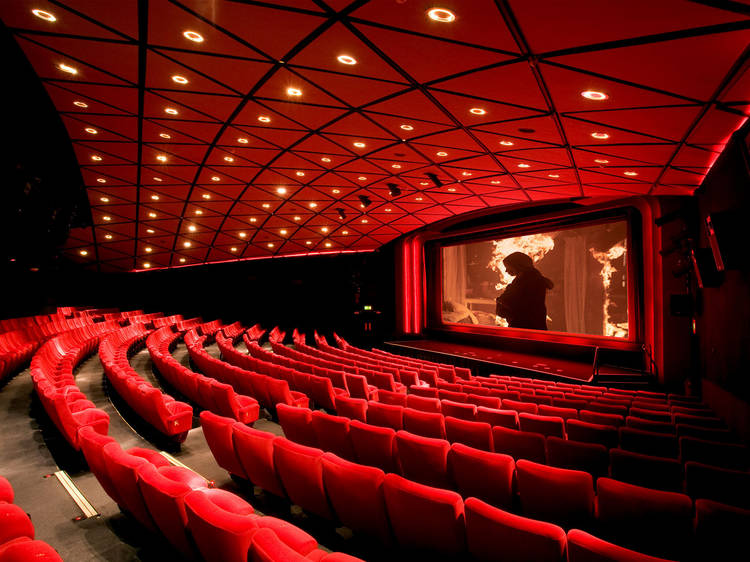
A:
(368, 307)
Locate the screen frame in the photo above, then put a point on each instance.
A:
(534, 225)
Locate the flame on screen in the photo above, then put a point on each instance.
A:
(535, 246)
(618, 330)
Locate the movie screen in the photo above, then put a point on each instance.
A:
(571, 280)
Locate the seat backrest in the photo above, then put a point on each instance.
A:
(481, 474)
(519, 444)
(601, 418)
(659, 473)
(471, 433)
(460, 410)
(297, 425)
(374, 445)
(427, 424)
(724, 455)
(385, 415)
(254, 450)
(333, 434)
(423, 403)
(648, 442)
(518, 406)
(496, 416)
(719, 484)
(301, 473)
(552, 426)
(218, 433)
(587, 432)
(575, 455)
(352, 408)
(423, 459)
(583, 547)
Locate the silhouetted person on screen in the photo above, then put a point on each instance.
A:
(522, 302)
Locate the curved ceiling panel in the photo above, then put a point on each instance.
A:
(213, 131)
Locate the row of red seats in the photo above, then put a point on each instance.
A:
(395, 510)
(167, 415)
(427, 458)
(17, 542)
(52, 374)
(233, 331)
(267, 391)
(209, 393)
(319, 389)
(197, 519)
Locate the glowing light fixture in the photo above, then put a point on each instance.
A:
(192, 228)
(362, 178)
(442, 153)
(148, 249)
(152, 215)
(325, 159)
(477, 111)
(91, 130)
(441, 15)
(187, 244)
(165, 135)
(467, 174)
(150, 231)
(419, 198)
(630, 173)
(594, 95)
(406, 127)
(193, 36)
(198, 212)
(359, 144)
(161, 158)
(346, 59)
(506, 143)
(243, 234)
(157, 178)
(297, 217)
(46, 16)
(146, 264)
(243, 140)
(300, 174)
(108, 236)
(206, 196)
(364, 221)
(281, 190)
(553, 175)
(84, 252)
(264, 118)
(397, 166)
(451, 189)
(335, 191)
(171, 110)
(601, 161)
(80, 104)
(182, 260)
(253, 219)
(313, 204)
(233, 249)
(308, 242)
(495, 182)
(283, 232)
(345, 232)
(155, 197)
(293, 92)
(106, 218)
(270, 244)
(67, 68)
(600, 136)
(266, 205)
(101, 180)
(228, 159)
(324, 229)
(215, 178)
(328, 244)
(522, 165)
(179, 79)
(96, 158)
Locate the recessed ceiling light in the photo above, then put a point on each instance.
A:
(359, 144)
(419, 198)
(522, 165)
(157, 178)
(101, 180)
(283, 232)
(108, 236)
(253, 219)
(594, 95)
(601, 161)
(150, 230)
(600, 136)
(106, 218)
(264, 119)
(406, 127)
(182, 260)
(397, 166)
(179, 79)
(344, 232)
(388, 209)
(270, 244)
(325, 159)
(152, 215)
(308, 242)
(335, 191)
(313, 204)
(441, 15)
(228, 159)
(215, 178)
(266, 205)
(84, 252)
(506, 143)
(146, 264)
(477, 111)
(206, 196)
(300, 174)
(243, 234)
(193, 36)
(192, 228)
(148, 249)
(364, 221)
(451, 189)
(495, 182)
(630, 173)
(91, 130)
(324, 229)
(187, 244)
(155, 197)
(46, 16)
(466, 173)
(198, 212)
(96, 158)
(297, 217)
(170, 110)
(67, 68)
(80, 104)
(441, 153)
(328, 244)
(233, 249)
(424, 183)
(165, 135)
(243, 140)
(161, 158)
(346, 59)
(362, 178)
(293, 92)
(553, 175)
(281, 190)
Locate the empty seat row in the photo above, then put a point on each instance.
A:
(168, 416)
(196, 519)
(209, 393)
(391, 507)
(17, 542)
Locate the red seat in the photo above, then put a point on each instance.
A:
(495, 535)
(649, 521)
(587, 432)
(601, 418)
(351, 487)
(6, 490)
(374, 445)
(423, 459)
(427, 424)
(518, 406)
(242, 408)
(297, 424)
(92, 443)
(720, 531)
(561, 496)
(471, 433)
(279, 393)
(352, 408)
(519, 444)
(550, 426)
(724, 455)
(385, 415)
(583, 547)
(483, 400)
(564, 413)
(649, 471)
(392, 398)
(14, 523)
(25, 550)
(301, 473)
(574, 455)
(718, 484)
(218, 433)
(495, 416)
(333, 434)
(707, 433)
(649, 442)
(323, 392)
(701, 421)
(254, 450)
(359, 388)
(650, 425)
(458, 410)
(424, 517)
(422, 403)
(481, 474)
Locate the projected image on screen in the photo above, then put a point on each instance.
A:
(572, 280)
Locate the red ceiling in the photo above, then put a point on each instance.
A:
(675, 72)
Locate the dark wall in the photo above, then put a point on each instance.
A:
(724, 319)
(308, 293)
